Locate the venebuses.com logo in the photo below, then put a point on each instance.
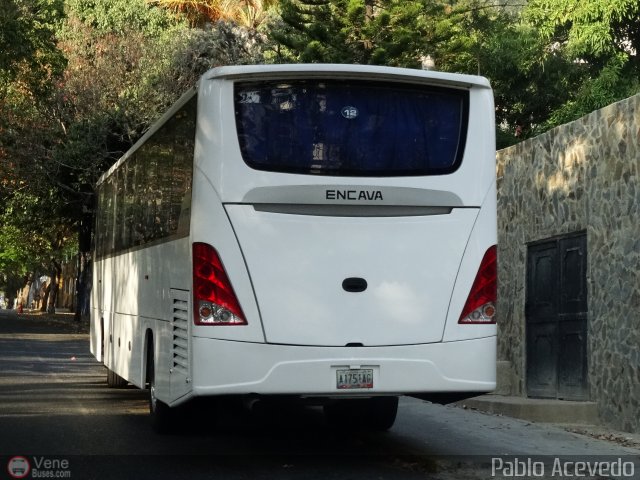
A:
(18, 467)
(39, 467)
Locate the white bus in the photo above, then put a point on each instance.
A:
(326, 232)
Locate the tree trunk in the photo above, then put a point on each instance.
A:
(83, 286)
(24, 292)
(45, 297)
(56, 271)
(368, 16)
(368, 10)
(84, 270)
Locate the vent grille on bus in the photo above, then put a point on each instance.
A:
(180, 326)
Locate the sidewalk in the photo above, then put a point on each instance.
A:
(62, 318)
(537, 409)
(576, 417)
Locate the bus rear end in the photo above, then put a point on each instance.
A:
(344, 235)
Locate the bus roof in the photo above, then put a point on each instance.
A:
(325, 70)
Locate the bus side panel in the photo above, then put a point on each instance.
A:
(105, 284)
(134, 291)
(478, 170)
(96, 338)
(162, 361)
(124, 348)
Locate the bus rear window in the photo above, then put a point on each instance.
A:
(351, 128)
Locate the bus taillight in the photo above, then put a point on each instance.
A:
(215, 302)
(481, 303)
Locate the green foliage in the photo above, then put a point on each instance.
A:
(588, 28)
(29, 238)
(29, 55)
(200, 49)
(121, 16)
(53, 146)
(16, 256)
(600, 39)
(549, 62)
(610, 86)
(389, 32)
(529, 82)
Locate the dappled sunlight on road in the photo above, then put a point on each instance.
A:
(54, 374)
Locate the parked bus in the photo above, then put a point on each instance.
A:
(325, 232)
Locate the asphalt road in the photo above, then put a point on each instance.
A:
(57, 412)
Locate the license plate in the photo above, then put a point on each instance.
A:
(352, 379)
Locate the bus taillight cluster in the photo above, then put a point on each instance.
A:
(481, 303)
(215, 302)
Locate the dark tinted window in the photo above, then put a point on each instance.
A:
(148, 198)
(350, 128)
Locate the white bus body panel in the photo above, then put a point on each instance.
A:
(298, 263)
(135, 293)
(281, 369)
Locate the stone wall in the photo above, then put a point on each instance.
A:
(582, 176)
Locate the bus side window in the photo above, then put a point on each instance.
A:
(148, 198)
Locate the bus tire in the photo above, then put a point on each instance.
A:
(114, 380)
(375, 413)
(162, 416)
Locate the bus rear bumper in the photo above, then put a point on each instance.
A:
(236, 368)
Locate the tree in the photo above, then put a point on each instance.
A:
(589, 29)
(549, 61)
(388, 32)
(600, 37)
(30, 241)
(17, 259)
(105, 73)
(57, 138)
(530, 80)
(467, 36)
(29, 57)
(29, 67)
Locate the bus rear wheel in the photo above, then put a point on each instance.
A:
(162, 416)
(376, 413)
